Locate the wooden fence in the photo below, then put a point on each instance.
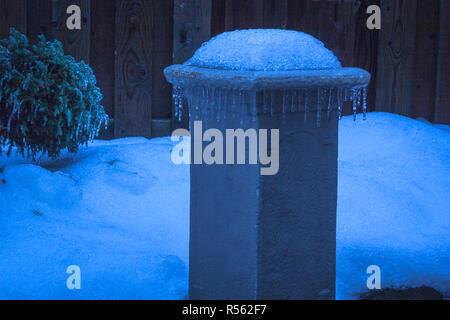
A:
(128, 43)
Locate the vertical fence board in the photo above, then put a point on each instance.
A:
(303, 15)
(75, 42)
(162, 57)
(337, 30)
(39, 19)
(133, 68)
(408, 58)
(442, 108)
(343, 30)
(12, 14)
(340, 37)
(102, 54)
(217, 17)
(365, 52)
(244, 14)
(396, 56)
(275, 14)
(425, 59)
(192, 27)
(332, 22)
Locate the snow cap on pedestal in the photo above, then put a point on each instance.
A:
(265, 61)
(264, 50)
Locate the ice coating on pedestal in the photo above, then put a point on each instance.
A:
(264, 50)
(214, 103)
(266, 71)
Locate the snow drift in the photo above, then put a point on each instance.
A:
(120, 211)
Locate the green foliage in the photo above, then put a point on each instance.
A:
(48, 101)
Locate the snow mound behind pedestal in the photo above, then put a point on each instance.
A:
(120, 211)
(264, 50)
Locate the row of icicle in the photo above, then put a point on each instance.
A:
(204, 102)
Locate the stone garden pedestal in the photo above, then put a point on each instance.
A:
(255, 236)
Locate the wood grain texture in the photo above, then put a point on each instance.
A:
(275, 14)
(103, 14)
(162, 58)
(39, 19)
(442, 106)
(244, 14)
(408, 58)
(192, 27)
(396, 56)
(75, 42)
(133, 68)
(332, 22)
(337, 23)
(341, 26)
(303, 15)
(218, 11)
(425, 59)
(12, 14)
(365, 51)
(339, 35)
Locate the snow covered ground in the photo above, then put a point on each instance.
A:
(393, 203)
(120, 211)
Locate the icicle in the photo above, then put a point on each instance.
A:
(178, 101)
(89, 119)
(242, 105)
(180, 112)
(254, 107)
(180, 105)
(225, 103)
(200, 99)
(293, 100)
(265, 108)
(272, 103)
(340, 103)
(285, 97)
(355, 102)
(218, 112)
(193, 104)
(175, 100)
(359, 99)
(284, 107)
(330, 96)
(233, 103)
(219, 106)
(242, 102)
(306, 106)
(300, 98)
(208, 92)
(11, 117)
(196, 104)
(319, 106)
(365, 103)
(80, 121)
